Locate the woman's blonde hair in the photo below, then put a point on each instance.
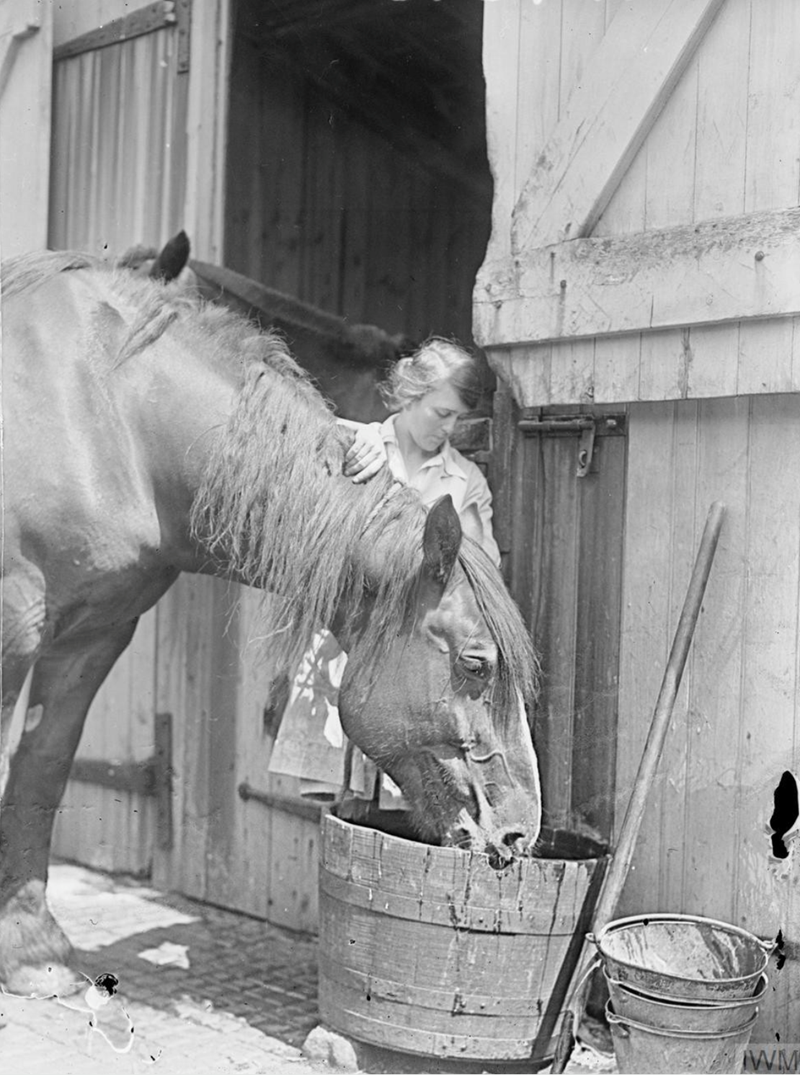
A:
(436, 362)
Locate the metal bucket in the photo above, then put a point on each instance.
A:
(644, 1050)
(682, 956)
(670, 1013)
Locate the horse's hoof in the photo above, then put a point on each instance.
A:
(54, 979)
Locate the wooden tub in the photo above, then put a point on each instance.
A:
(428, 950)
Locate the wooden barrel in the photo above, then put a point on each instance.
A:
(429, 950)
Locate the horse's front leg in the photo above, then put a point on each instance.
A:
(34, 952)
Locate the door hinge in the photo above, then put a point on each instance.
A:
(151, 777)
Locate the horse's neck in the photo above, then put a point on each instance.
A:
(190, 401)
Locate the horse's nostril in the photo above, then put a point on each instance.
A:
(511, 839)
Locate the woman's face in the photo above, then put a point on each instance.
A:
(430, 420)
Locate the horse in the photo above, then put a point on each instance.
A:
(147, 433)
(346, 361)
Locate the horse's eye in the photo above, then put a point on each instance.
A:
(475, 666)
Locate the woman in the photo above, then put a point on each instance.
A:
(427, 394)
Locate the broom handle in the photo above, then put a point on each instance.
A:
(623, 855)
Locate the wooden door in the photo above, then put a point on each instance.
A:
(560, 511)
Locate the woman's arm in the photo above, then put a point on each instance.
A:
(476, 513)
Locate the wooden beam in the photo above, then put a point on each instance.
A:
(629, 79)
(729, 269)
(145, 20)
(210, 47)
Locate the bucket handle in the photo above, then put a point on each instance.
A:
(578, 991)
(623, 1028)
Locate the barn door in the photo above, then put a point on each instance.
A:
(560, 512)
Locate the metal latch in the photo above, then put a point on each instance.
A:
(584, 425)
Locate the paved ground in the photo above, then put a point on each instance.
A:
(207, 992)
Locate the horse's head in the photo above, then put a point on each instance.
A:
(442, 711)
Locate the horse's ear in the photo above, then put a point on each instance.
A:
(171, 260)
(442, 539)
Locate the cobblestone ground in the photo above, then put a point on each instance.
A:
(232, 995)
(207, 992)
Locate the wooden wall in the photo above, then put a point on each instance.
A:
(712, 414)
(705, 843)
(26, 33)
(323, 207)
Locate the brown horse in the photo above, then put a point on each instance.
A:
(148, 433)
(346, 361)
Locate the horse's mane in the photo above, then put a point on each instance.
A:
(26, 271)
(282, 477)
(276, 470)
(274, 507)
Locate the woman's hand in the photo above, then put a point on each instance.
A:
(367, 454)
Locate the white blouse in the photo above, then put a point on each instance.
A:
(448, 472)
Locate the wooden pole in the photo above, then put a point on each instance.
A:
(623, 854)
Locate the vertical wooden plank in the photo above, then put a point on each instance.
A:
(522, 522)
(251, 854)
(322, 204)
(293, 863)
(502, 466)
(190, 619)
(224, 718)
(555, 620)
(354, 255)
(712, 360)
(538, 90)
(502, 69)
(617, 361)
(768, 733)
(602, 515)
(572, 376)
(644, 637)
(582, 29)
(244, 227)
(763, 349)
(722, 59)
(796, 354)
(206, 127)
(709, 843)
(280, 169)
(665, 359)
(773, 115)
(682, 547)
